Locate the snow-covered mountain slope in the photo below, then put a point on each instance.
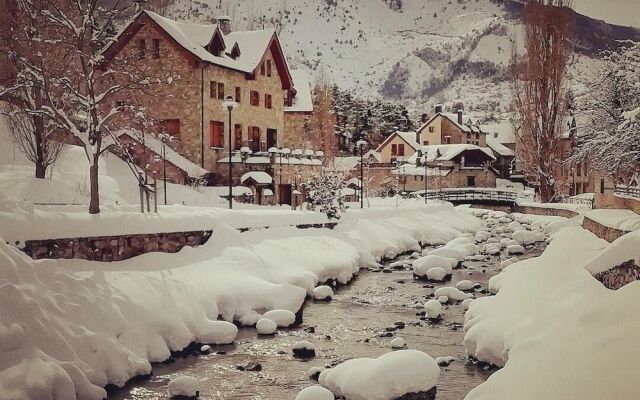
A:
(419, 51)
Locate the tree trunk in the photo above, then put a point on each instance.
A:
(547, 192)
(41, 170)
(94, 204)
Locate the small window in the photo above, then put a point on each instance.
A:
(142, 49)
(425, 142)
(431, 130)
(255, 98)
(401, 149)
(394, 150)
(267, 101)
(156, 48)
(602, 186)
(471, 181)
(237, 136)
(216, 131)
(262, 69)
(268, 67)
(213, 89)
(238, 94)
(220, 91)
(254, 138)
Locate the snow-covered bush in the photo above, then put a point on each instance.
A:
(324, 194)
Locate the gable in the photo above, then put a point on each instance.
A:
(396, 135)
(216, 45)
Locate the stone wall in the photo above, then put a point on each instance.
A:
(114, 248)
(618, 276)
(557, 212)
(601, 231)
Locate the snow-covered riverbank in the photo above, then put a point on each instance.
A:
(69, 327)
(558, 332)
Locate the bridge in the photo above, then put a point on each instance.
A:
(486, 196)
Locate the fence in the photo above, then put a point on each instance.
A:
(472, 195)
(628, 191)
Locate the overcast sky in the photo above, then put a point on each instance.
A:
(620, 12)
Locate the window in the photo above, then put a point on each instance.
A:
(170, 127)
(269, 68)
(142, 49)
(401, 149)
(237, 136)
(255, 98)
(220, 91)
(156, 48)
(262, 71)
(477, 136)
(272, 138)
(238, 94)
(471, 181)
(394, 150)
(267, 100)
(425, 142)
(447, 139)
(213, 89)
(579, 169)
(431, 129)
(254, 138)
(216, 131)
(602, 185)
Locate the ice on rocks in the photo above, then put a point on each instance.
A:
(265, 326)
(398, 343)
(433, 309)
(515, 249)
(423, 264)
(221, 332)
(283, 318)
(387, 377)
(443, 299)
(436, 274)
(448, 253)
(186, 386)
(323, 293)
(452, 293)
(303, 349)
(465, 285)
(314, 393)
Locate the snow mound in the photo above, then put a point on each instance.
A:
(222, 332)
(398, 343)
(465, 285)
(323, 293)
(423, 264)
(282, 318)
(265, 326)
(449, 253)
(436, 274)
(466, 303)
(186, 386)
(452, 293)
(384, 378)
(515, 249)
(250, 318)
(433, 309)
(314, 393)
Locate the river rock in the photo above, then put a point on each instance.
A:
(266, 326)
(316, 392)
(398, 343)
(323, 293)
(304, 349)
(183, 387)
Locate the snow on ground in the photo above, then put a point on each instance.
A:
(558, 332)
(625, 220)
(69, 327)
(387, 377)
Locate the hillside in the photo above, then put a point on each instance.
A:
(420, 52)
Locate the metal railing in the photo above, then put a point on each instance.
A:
(629, 191)
(472, 195)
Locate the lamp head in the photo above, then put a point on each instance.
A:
(229, 104)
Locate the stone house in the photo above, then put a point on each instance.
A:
(445, 128)
(399, 146)
(448, 166)
(208, 64)
(501, 139)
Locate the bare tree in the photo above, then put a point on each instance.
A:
(323, 118)
(539, 86)
(34, 141)
(81, 97)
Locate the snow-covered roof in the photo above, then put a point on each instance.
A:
(347, 192)
(499, 148)
(303, 101)
(447, 152)
(413, 170)
(259, 177)
(409, 137)
(345, 163)
(502, 132)
(194, 37)
(374, 155)
(468, 127)
(155, 145)
(267, 192)
(353, 181)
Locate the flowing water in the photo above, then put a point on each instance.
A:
(351, 325)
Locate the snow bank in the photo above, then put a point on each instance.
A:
(558, 332)
(314, 393)
(624, 220)
(107, 322)
(384, 378)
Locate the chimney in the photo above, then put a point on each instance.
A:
(424, 118)
(438, 108)
(224, 23)
(460, 117)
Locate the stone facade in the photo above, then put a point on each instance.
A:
(605, 196)
(601, 231)
(442, 130)
(618, 276)
(456, 178)
(297, 130)
(114, 248)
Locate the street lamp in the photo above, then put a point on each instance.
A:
(440, 179)
(229, 105)
(573, 186)
(423, 161)
(361, 145)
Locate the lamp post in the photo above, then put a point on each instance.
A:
(280, 151)
(229, 105)
(164, 170)
(361, 145)
(440, 179)
(423, 161)
(573, 178)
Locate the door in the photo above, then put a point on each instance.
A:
(272, 138)
(284, 194)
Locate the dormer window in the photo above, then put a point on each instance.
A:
(235, 52)
(216, 46)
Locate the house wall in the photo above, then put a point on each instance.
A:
(607, 198)
(385, 151)
(443, 127)
(155, 166)
(457, 178)
(181, 99)
(434, 137)
(294, 131)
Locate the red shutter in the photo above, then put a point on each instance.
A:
(213, 89)
(220, 91)
(394, 149)
(268, 67)
(401, 149)
(238, 94)
(216, 129)
(237, 139)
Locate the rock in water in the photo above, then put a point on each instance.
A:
(183, 387)
(314, 393)
(304, 349)
(398, 343)
(324, 293)
(283, 318)
(433, 309)
(266, 326)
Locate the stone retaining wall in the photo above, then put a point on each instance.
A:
(114, 248)
(557, 212)
(617, 277)
(601, 231)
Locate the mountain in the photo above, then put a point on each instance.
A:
(418, 52)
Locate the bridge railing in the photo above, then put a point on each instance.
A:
(471, 195)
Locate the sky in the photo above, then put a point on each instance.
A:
(619, 12)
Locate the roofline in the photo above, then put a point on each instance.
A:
(384, 143)
(419, 130)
